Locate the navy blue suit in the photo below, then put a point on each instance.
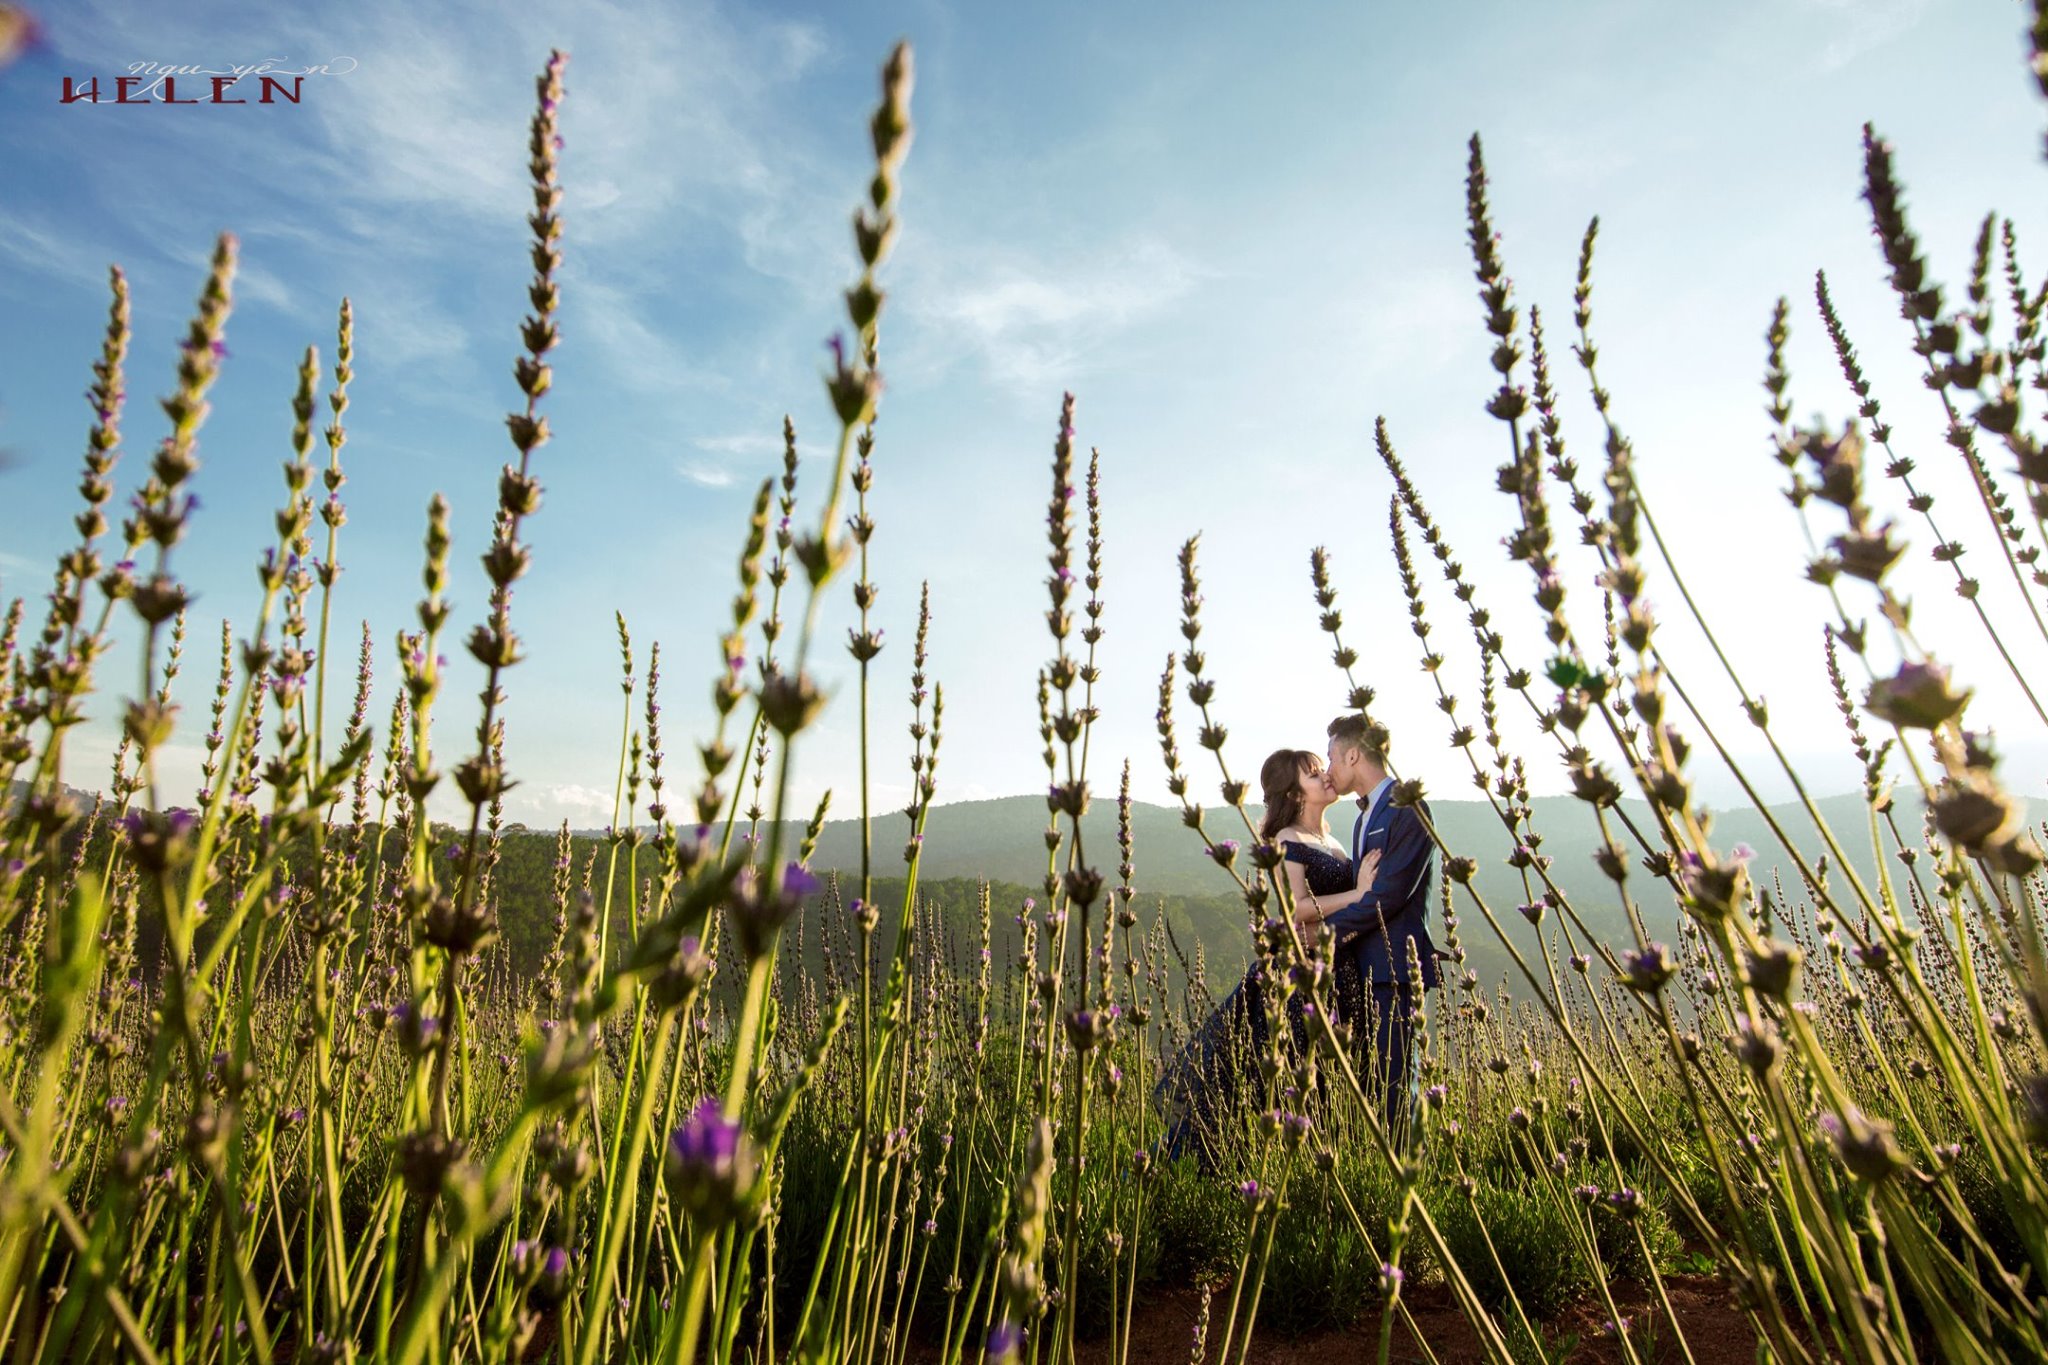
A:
(1378, 930)
(1394, 910)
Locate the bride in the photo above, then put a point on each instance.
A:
(1201, 1089)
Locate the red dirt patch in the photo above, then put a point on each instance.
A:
(1717, 1333)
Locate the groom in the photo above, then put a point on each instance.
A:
(1387, 926)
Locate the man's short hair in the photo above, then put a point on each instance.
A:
(1352, 729)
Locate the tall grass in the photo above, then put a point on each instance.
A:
(322, 1121)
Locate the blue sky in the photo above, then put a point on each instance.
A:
(1235, 232)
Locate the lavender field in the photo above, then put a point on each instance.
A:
(332, 1060)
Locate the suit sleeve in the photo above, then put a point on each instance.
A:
(1402, 867)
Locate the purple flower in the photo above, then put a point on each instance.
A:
(1005, 1339)
(548, 1272)
(709, 1162)
(797, 881)
(708, 1140)
(1648, 969)
(173, 822)
(1918, 695)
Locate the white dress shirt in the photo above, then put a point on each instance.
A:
(1372, 804)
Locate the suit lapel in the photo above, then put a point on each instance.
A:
(1376, 807)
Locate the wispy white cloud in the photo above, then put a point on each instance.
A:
(744, 444)
(551, 802)
(675, 114)
(37, 246)
(1038, 320)
(1582, 156)
(1411, 323)
(802, 45)
(680, 133)
(1858, 26)
(253, 282)
(705, 475)
(723, 459)
(419, 119)
(636, 352)
(406, 332)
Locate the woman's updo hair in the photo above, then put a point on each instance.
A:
(1280, 783)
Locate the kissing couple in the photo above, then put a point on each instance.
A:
(1371, 892)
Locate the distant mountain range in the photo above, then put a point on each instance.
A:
(1003, 841)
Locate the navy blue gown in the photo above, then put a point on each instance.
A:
(1211, 1087)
